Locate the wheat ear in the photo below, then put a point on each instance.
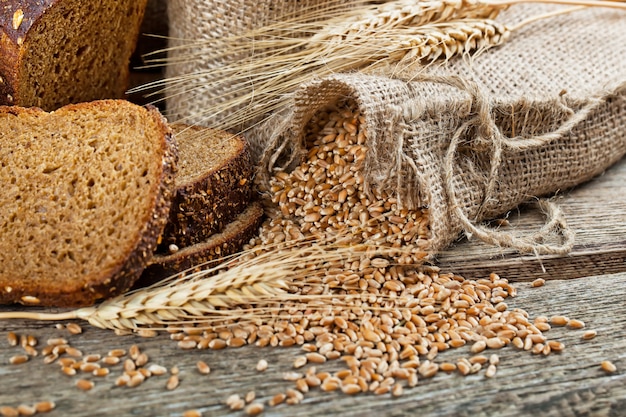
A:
(260, 276)
(363, 23)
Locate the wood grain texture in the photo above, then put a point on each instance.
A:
(566, 384)
(570, 383)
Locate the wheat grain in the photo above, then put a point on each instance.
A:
(26, 410)
(7, 411)
(608, 367)
(203, 368)
(45, 406)
(84, 384)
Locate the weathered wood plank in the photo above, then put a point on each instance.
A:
(569, 383)
(596, 211)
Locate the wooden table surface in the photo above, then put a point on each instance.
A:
(589, 284)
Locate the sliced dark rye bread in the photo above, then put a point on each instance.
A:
(86, 194)
(56, 52)
(200, 256)
(213, 184)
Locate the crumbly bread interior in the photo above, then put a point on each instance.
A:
(203, 150)
(79, 51)
(79, 186)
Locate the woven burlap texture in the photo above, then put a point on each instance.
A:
(473, 139)
(193, 24)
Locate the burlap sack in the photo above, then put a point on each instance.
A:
(195, 28)
(474, 139)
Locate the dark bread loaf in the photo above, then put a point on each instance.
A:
(55, 52)
(213, 184)
(86, 194)
(200, 256)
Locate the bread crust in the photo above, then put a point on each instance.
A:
(206, 254)
(14, 42)
(119, 277)
(215, 197)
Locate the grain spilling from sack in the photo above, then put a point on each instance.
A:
(325, 197)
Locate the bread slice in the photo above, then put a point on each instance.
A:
(55, 52)
(213, 184)
(86, 194)
(205, 254)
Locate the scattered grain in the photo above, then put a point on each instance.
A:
(118, 353)
(26, 410)
(299, 362)
(350, 389)
(111, 360)
(134, 352)
(302, 385)
(555, 346)
(235, 402)
(254, 409)
(7, 411)
(84, 384)
(187, 344)
(129, 365)
(92, 358)
(589, 334)
(277, 399)
(89, 367)
(261, 365)
(539, 282)
(478, 346)
(45, 406)
(314, 357)
(18, 359)
(576, 324)
(157, 370)
(142, 359)
(74, 328)
(250, 396)
(136, 379)
(203, 368)
(30, 351)
(447, 367)
(72, 351)
(122, 380)
(172, 382)
(101, 372)
(57, 341)
(608, 367)
(147, 333)
(491, 371)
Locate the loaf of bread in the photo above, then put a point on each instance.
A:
(213, 184)
(206, 254)
(86, 192)
(55, 52)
